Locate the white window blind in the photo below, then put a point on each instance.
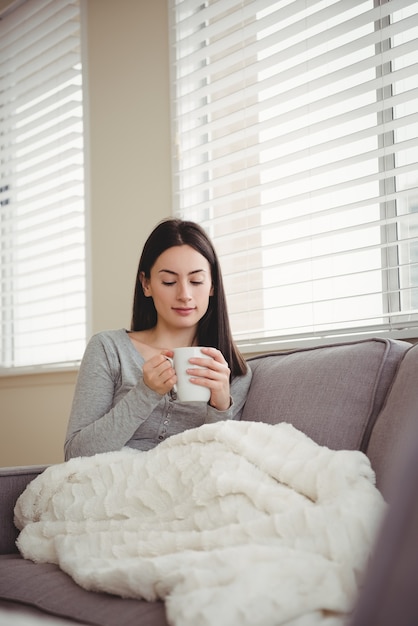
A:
(295, 129)
(42, 274)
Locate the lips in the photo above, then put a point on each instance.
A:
(184, 312)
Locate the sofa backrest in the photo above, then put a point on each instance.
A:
(332, 393)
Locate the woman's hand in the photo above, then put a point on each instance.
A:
(214, 373)
(159, 374)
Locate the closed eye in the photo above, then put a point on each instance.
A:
(192, 282)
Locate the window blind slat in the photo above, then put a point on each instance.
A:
(48, 276)
(255, 28)
(290, 114)
(327, 168)
(71, 93)
(69, 144)
(293, 197)
(31, 16)
(249, 211)
(58, 117)
(68, 93)
(34, 94)
(289, 54)
(46, 75)
(31, 59)
(329, 124)
(233, 160)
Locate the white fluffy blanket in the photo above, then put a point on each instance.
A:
(234, 523)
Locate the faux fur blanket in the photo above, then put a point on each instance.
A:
(233, 523)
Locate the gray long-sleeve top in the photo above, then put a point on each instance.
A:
(113, 407)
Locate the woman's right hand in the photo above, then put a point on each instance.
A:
(159, 374)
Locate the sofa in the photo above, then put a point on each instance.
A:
(360, 395)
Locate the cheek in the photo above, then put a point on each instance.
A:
(160, 296)
(165, 296)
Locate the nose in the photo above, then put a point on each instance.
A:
(183, 292)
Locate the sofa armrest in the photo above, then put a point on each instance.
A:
(13, 481)
(389, 591)
(399, 415)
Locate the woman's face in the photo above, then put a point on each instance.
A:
(180, 285)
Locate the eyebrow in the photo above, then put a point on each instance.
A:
(175, 273)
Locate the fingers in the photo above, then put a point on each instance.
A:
(214, 373)
(215, 354)
(213, 368)
(159, 374)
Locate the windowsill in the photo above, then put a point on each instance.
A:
(39, 369)
(32, 377)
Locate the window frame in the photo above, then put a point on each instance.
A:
(69, 16)
(390, 267)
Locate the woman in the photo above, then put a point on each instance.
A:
(124, 394)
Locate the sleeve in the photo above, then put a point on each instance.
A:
(96, 424)
(239, 390)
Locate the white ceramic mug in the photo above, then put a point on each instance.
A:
(186, 390)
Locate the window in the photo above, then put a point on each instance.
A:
(295, 131)
(42, 253)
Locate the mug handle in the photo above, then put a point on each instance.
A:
(172, 365)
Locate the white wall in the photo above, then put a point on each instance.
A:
(128, 147)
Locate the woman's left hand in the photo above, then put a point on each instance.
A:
(213, 373)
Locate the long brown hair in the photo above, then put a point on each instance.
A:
(214, 328)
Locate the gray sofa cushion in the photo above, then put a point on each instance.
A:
(46, 587)
(332, 393)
